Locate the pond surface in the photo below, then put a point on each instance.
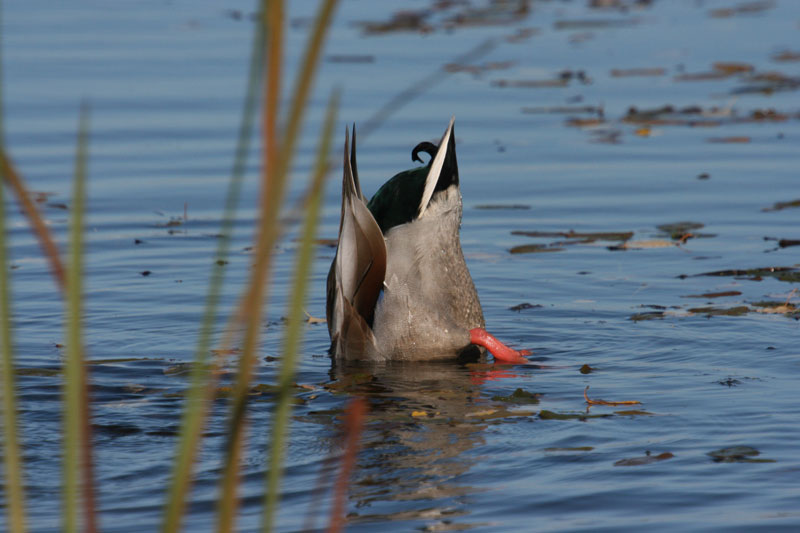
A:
(548, 144)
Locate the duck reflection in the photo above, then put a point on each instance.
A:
(424, 420)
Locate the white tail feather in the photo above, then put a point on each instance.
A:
(436, 169)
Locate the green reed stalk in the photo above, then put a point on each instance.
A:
(74, 375)
(294, 330)
(275, 164)
(202, 377)
(12, 458)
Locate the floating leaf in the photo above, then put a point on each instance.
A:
(544, 414)
(770, 307)
(599, 236)
(533, 248)
(489, 414)
(677, 230)
(720, 311)
(521, 307)
(314, 320)
(633, 412)
(645, 460)
(786, 56)
(777, 206)
(711, 295)
(604, 402)
(732, 139)
(585, 122)
(642, 245)
(737, 454)
(703, 76)
(519, 396)
(593, 24)
(647, 315)
(767, 114)
(745, 8)
(530, 84)
(733, 68)
(586, 369)
(563, 109)
(789, 274)
(624, 73)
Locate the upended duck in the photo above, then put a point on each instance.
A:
(399, 288)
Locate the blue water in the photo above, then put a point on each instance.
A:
(165, 82)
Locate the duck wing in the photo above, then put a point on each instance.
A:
(357, 273)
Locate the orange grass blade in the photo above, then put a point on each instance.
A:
(17, 184)
(603, 402)
(277, 157)
(251, 306)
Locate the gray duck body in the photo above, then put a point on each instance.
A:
(404, 293)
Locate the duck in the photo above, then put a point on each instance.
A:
(398, 288)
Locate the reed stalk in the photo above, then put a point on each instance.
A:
(294, 331)
(12, 457)
(76, 440)
(277, 154)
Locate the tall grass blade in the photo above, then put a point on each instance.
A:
(294, 330)
(76, 440)
(12, 458)
(271, 20)
(49, 248)
(272, 25)
(277, 154)
(202, 378)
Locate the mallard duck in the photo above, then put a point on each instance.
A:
(399, 288)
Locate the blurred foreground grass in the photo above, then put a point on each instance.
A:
(281, 129)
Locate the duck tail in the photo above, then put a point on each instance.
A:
(356, 276)
(443, 170)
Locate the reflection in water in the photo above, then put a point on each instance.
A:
(424, 421)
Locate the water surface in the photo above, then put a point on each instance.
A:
(445, 447)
